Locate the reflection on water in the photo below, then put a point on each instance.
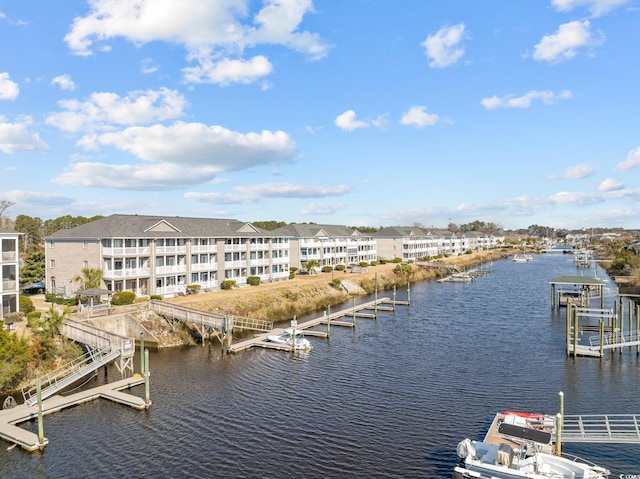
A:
(390, 398)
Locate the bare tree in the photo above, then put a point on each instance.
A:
(4, 204)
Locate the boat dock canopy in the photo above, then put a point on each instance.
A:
(579, 281)
(526, 433)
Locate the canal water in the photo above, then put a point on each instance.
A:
(389, 399)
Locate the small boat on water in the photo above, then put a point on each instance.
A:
(286, 337)
(521, 447)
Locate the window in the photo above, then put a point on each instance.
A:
(85, 264)
(52, 263)
(52, 244)
(85, 243)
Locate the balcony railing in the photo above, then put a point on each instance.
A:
(9, 256)
(127, 273)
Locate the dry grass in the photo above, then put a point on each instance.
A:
(305, 294)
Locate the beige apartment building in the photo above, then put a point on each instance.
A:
(412, 243)
(329, 245)
(9, 272)
(161, 255)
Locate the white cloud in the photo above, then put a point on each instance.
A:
(596, 7)
(149, 66)
(418, 116)
(576, 172)
(34, 199)
(563, 44)
(8, 89)
(524, 101)
(179, 155)
(347, 121)
(17, 137)
(157, 176)
(64, 82)
(443, 48)
(632, 161)
(319, 208)
(101, 111)
(610, 185)
(214, 33)
(228, 71)
(247, 194)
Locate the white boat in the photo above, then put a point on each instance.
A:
(522, 258)
(286, 337)
(520, 451)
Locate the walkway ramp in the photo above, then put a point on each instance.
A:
(68, 374)
(602, 428)
(208, 319)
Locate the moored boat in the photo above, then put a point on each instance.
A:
(287, 337)
(521, 447)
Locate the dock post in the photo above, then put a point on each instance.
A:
(294, 323)
(621, 324)
(553, 296)
(147, 373)
(568, 329)
(408, 292)
(574, 312)
(638, 327)
(142, 353)
(354, 311)
(394, 296)
(601, 338)
(41, 443)
(376, 297)
(559, 424)
(328, 320)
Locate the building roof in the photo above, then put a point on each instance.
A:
(305, 230)
(141, 226)
(578, 280)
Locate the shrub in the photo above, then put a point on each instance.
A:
(193, 288)
(26, 305)
(327, 269)
(340, 267)
(33, 319)
(384, 261)
(253, 280)
(121, 298)
(363, 264)
(293, 269)
(374, 263)
(292, 275)
(156, 296)
(228, 283)
(336, 282)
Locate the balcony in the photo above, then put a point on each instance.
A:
(175, 269)
(208, 248)
(127, 273)
(9, 256)
(9, 286)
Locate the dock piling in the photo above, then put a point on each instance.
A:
(41, 442)
(147, 373)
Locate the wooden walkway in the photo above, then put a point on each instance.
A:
(10, 418)
(334, 319)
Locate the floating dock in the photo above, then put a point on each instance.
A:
(333, 319)
(10, 418)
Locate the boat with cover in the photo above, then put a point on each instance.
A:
(520, 450)
(286, 337)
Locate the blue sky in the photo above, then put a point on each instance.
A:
(353, 112)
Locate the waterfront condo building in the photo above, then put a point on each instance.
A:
(412, 243)
(161, 255)
(329, 245)
(9, 270)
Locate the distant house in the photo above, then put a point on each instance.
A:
(9, 272)
(329, 245)
(161, 255)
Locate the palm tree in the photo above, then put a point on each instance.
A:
(90, 278)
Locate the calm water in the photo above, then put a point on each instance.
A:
(389, 399)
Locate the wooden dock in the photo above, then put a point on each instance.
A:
(334, 319)
(10, 418)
